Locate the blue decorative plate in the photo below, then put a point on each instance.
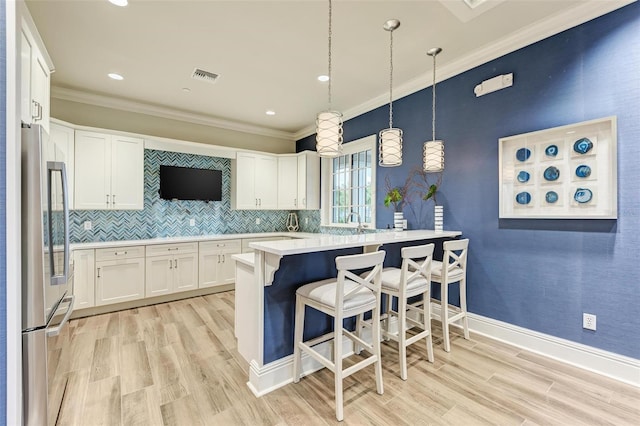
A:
(582, 146)
(523, 154)
(551, 150)
(551, 173)
(583, 171)
(551, 197)
(523, 176)
(583, 195)
(523, 198)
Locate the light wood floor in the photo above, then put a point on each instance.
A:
(177, 364)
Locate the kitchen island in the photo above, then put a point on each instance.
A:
(266, 282)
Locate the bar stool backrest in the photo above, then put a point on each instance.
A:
(455, 256)
(347, 264)
(410, 262)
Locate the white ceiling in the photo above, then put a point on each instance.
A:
(269, 53)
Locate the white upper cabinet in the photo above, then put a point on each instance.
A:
(288, 182)
(308, 181)
(35, 72)
(109, 172)
(254, 182)
(61, 148)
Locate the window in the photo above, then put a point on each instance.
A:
(349, 185)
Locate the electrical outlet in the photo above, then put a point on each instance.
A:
(87, 225)
(589, 321)
(258, 221)
(192, 222)
(306, 220)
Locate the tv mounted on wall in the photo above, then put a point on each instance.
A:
(184, 183)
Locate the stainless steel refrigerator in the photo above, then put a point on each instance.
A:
(47, 299)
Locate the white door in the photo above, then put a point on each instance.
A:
(40, 90)
(227, 267)
(266, 182)
(159, 275)
(288, 183)
(92, 170)
(185, 270)
(245, 181)
(208, 266)
(127, 173)
(119, 281)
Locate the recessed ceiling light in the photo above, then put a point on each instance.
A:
(270, 112)
(115, 76)
(323, 78)
(186, 89)
(121, 3)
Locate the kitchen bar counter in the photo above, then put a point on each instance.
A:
(266, 287)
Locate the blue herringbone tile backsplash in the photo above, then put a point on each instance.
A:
(164, 218)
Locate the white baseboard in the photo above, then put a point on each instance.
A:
(274, 375)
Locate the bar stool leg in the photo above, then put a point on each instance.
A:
(426, 314)
(402, 335)
(337, 360)
(298, 332)
(444, 314)
(375, 340)
(463, 306)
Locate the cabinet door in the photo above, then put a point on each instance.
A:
(308, 181)
(227, 267)
(127, 173)
(159, 275)
(92, 170)
(185, 270)
(288, 182)
(84, 278)
(25, 77)
(266, 182)
(209, 260)
(40, 89)
(61, 142)
(119, 281)
(245, 175)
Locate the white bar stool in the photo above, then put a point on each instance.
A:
(413, 278)
(346, 296)
(455, 259)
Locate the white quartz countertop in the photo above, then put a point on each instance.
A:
(324, 242)
(246, 258)
(188, 239)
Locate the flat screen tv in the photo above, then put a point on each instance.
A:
(184, 183)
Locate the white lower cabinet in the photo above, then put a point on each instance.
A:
(84, 278)
(216, 267)
(171, 268)
(119, 274)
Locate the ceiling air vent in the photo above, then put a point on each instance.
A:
(203, 75)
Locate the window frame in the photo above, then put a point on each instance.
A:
(358, 145)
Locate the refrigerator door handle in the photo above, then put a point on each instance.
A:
(60, 167)
(54, 331)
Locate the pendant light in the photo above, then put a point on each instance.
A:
(329, 122)
(390, 140)
(434, 149)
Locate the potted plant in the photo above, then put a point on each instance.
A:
(424, 187)
(396, 196)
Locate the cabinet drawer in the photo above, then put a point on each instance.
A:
(163, 249)
(116, 253)
(221, 245)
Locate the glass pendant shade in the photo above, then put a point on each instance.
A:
(390, 147)
(433, 152)
(329, 134)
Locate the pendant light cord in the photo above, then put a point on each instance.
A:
(433, 102)
(329, 71)
(391, 79)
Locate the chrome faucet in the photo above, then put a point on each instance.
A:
(360, 227)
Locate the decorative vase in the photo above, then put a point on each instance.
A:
(438, 218)
(398, 219)
(292, 222)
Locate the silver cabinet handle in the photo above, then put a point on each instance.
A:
(107, 199)
(170, 264)
(218, 258)
(38, 108)
(173, 248)
(98, 272)
(304, 201)
(295, 202)
(223, 259)
(113, 199)
(175, 263)
(118, 253)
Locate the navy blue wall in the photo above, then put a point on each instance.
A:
(537, 274)
(3, 233)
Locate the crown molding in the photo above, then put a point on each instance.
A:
(164, 112)
(527, 35)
